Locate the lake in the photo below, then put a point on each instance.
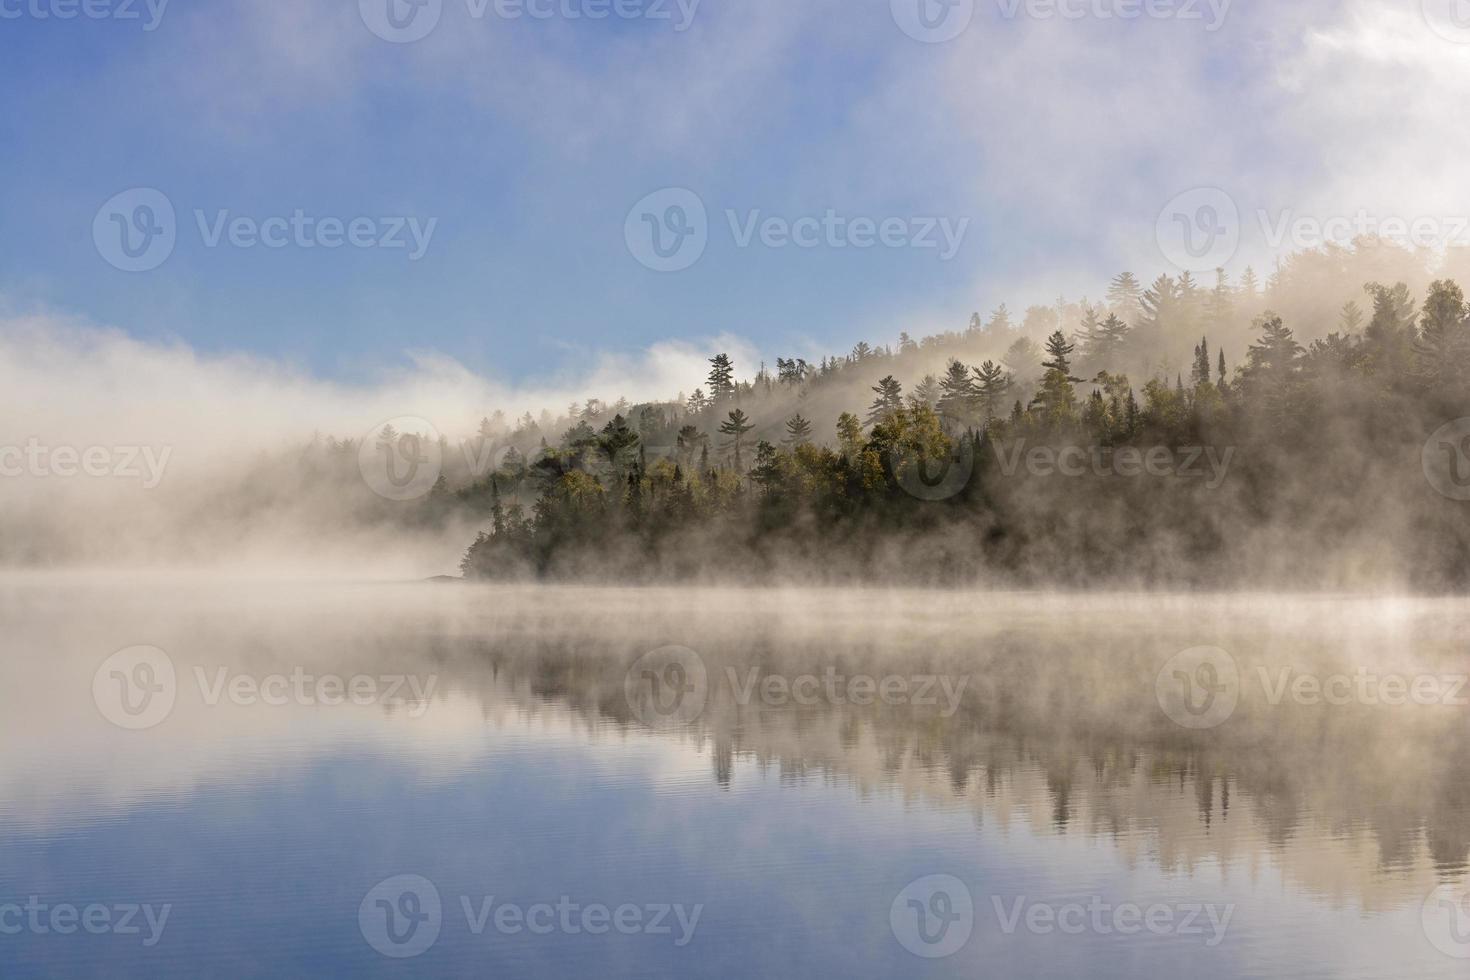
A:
(208, 777)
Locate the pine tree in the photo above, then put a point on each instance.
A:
(1391, 334)
(1059, 353)
(1273, 366)
(736, 426)
(1250, 288)
(993, 384)
(957, 394)
(927, 391)
(721, 377)
(889, 400)
(798, 431)
(1089, 331)
(1442, 346)
(1124, 296)
(1201, 373)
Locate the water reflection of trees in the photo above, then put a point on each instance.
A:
(1059, 731)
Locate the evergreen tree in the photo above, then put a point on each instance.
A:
(957, 397)
(1441, 349)
(798, 431)
(993, 385)
(1124, 296)
(1272, 368)
(721, 377)
(889, 400)
(736, 426)
(1391, 334)
(1200, 375)
(616, 443)
(1250, 288)
(1000, 320)
(1059, 353)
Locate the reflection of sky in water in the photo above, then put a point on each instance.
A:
(265, 828)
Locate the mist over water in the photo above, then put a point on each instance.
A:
(833, 748)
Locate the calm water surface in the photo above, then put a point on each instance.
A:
(445, 780)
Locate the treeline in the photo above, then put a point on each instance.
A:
(1314, 474)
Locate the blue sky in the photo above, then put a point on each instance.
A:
(527, 142)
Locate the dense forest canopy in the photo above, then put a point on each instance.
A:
(1170, 433)
(1270, 430)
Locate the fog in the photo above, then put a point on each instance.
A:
(241, 463)
(1058, 730)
